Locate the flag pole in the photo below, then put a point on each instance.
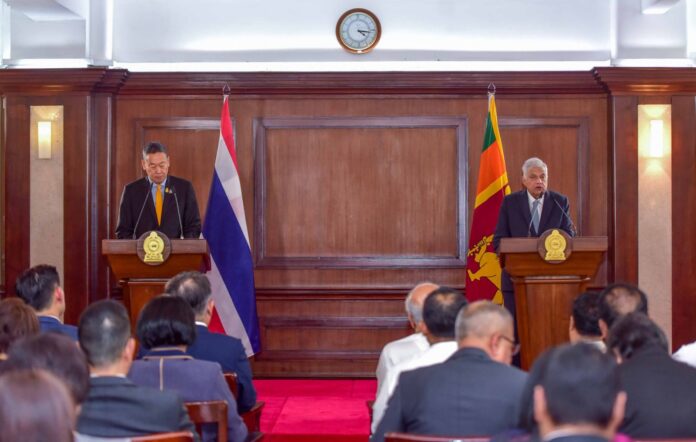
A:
(226, 90)
(491, 89)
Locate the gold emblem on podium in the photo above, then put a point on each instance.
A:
(555, 245)
(153, 246)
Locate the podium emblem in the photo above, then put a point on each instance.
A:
(153, 248)
(555, 245)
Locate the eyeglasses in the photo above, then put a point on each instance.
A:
(515, 345)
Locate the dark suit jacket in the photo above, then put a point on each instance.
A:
(50, 324)
(515, 217)
(229, 353)
(116, 407)
(132, 201)
(467, 395)
(661, 396)
(192, 379)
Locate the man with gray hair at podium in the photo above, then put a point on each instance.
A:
(529, 213)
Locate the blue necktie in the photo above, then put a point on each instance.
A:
(535, 215)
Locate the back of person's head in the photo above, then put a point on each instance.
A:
(586, 315)
(166, 321)
(35, 407)
(415, 299)
(192, 287)
(104, 331)
(485, 325)
(36, 286)
(621, 299)
(580, 386)
(17, 319)
(440, 311)
(634, 332)
(56, 354)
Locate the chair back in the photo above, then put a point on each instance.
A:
(209, 412)
(403, 437)
(176, 436)
(231, 379)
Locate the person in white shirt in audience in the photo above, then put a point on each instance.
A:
(440, 311)
(584, 320)
(686, 354)
(402, 349)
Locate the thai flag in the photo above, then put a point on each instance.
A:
(232, 269)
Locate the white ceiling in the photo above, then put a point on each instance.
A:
(300, 35)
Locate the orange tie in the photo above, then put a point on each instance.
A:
(158, 204)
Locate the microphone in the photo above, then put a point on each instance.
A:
(148, 194)
(572, 224)
(178, 211)
(529, 228)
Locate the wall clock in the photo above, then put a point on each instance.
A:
(358, 31)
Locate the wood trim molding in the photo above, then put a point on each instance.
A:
(262, 125)
(61, 81)
(646, 81)
(582, 126)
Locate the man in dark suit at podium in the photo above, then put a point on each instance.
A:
(158, 201)
(529, 213)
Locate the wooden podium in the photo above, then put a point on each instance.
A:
(142, 282)
(544, 292)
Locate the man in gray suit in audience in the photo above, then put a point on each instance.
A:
(474, 393)
(115, 406)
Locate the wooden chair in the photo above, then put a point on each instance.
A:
(177, 436)
(209, 412)
(403, 437)
(251, 418)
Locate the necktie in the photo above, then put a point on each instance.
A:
(158, 203)
(535, 215)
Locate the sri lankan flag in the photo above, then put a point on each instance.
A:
(483, 272)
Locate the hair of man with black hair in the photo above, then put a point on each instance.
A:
(192, 287)
(586, 314)
(166, 321)
(154, 147)
(56, 354)
(440, 311)
(36, 285)
(17, 320)
(581, 384)
(620, 299)
(633, 332)
(104, 331)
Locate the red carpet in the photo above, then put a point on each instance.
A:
(315, 410)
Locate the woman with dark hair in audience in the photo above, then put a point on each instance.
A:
(35, 407)
(166, 326)
(16, 320)
(57, 354)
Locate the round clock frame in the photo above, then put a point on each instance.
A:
(354, 45)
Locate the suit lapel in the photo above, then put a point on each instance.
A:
(524, 208)
(546, 210)
(169, 207)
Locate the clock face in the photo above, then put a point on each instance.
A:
(358, 30)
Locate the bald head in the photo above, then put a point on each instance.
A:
(488, 326)
(414, 302)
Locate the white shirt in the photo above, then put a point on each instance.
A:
(436, 354)
(531, 200)
(686, 354)
(397, 352)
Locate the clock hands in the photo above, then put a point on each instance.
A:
(364, 32)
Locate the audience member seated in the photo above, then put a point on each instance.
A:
(584, 321)
(40, 288)
(412, 345)
(166, 326)
(115, 406)
(579, 398)
(56, 354)
(661, 391)
(16, 320)
(474, 393)
(35, 407)
(618, 300)
(440, 311)
(194, 288)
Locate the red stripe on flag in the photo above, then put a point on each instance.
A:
(227, 132)
(215, 325)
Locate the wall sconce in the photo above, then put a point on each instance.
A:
(656, 149)
(44, 137)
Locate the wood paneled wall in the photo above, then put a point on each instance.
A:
(356, 186)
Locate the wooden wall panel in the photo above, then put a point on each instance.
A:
(684, 214)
